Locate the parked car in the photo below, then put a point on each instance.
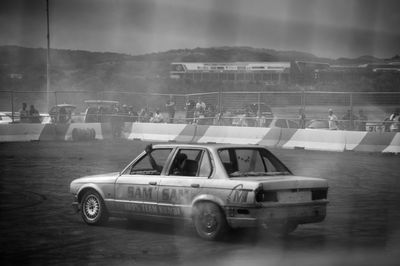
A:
(318, 124)
(62, 113)
(6, 117)
(99, 111)
(253, 114)
(215, 186)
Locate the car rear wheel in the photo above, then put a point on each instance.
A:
(94, 211)
(209, 221)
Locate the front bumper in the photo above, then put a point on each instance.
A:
(300, 213)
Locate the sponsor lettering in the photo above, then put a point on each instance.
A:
(169, 195)
(152, 209)
(183, 196)
(140, 193)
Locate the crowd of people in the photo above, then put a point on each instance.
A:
(29, 116)
(352, 122)
(198, 112)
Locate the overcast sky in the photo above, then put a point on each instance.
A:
(328, 28)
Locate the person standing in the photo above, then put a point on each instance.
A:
(190, 108)
(24, 114)
(200, 110)
(170, 106)
(302, 118)
(34, 116)
(362, 121)
(157, 117)
(332, 121)
(395, 121)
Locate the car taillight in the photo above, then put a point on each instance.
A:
(319, 194)
(266, 196)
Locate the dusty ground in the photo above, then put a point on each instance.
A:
(38, 226)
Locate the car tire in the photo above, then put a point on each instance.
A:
(94, 210)
(209, 221)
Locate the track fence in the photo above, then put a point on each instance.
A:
(223, 107)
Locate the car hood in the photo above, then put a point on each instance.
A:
(285, 182)
(102, 178)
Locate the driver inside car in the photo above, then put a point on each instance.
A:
(179, 164)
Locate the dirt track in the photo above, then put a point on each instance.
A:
(38, 225)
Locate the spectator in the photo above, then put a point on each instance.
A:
(24, 114)
(362, 121)
(144, 115)
(157, 117)
(200, 105)
(117, 121)
(332, 120)
(133, 115)
(348, 120)
(190, 108)
(200, 110)
(395, 121)
(34, 116)
(170, 106)
(302, 118)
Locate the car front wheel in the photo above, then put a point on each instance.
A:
(94, 211)
(209, 221)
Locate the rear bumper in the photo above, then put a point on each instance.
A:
(294, 213)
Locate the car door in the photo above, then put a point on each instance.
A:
(136, 190)
(177, 190)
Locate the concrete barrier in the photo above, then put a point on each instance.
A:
(285, 134)
(156, 132)
(20, 132)
(327, 140)
(394, 146)
(314, 139)
(375, 142)
(236, 135)
(188, 133)
(353, 139)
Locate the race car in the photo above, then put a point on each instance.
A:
(214, 186)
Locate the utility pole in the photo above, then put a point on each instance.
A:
(48, 56)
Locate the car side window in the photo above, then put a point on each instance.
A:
(205, 166)
(249, 160)
(151, 163)
(187, 162)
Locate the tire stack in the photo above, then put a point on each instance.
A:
(83, 134)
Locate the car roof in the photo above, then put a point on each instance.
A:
(206, 145)
(66, 105)
(100, 102)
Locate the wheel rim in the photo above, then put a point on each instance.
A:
(91, 207)
(208, 222)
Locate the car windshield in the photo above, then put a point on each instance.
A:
(243, 162)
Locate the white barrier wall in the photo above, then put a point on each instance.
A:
(315, 139)
(308, 139)
(20, 132)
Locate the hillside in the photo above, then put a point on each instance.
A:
(25, 68)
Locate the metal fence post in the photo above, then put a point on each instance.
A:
(12, 106)
(258, 108)
(55, 99)
(351, 112)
